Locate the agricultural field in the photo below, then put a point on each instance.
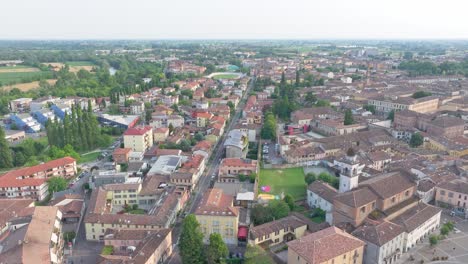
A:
(27, 86)
(21, 77)
(283, 181)
(9, 69)
(75, 66)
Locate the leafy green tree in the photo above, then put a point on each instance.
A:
(288, 199)
(199, 136)
(433, 240)
(408, 55)
(310, 98)
(391, 115)
(6, 159)
(20, 159)
(310, 178)
(261, 214)
(298, 79)
(322, 103)
(148, 116)
(256, 255)
(278, 208)
(444, 230)
(56, 184)
(416, 140)
(370, 108)
(217, 249)
(191, 241)
(269, 127)
(421, 94)
(348, 119)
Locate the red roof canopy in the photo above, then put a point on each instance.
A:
(242, 232)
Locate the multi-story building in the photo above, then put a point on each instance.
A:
(139, 246)
(32, 181)
(216, 214)
(422, 105)
(121, 155)
(236, 144)
(321, 195)
(453, 194)
(385, 242)
(330, 245)
(278, 231)
(43, 241)
(25, 122)
(139, 139)
(231, 168)
(20, 105)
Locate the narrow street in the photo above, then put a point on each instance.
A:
(211, 168)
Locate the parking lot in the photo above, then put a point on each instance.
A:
(455, 246)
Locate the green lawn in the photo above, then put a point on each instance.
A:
(10, 77)
(288, 181)
(80, 63)
(225, 76)
(137, 211)
(89, 157)
(15, 67)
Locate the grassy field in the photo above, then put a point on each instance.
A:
(225, 76)
(80, 63)
(288, 181)
(89, 157)
(9, 77)
(28, 86)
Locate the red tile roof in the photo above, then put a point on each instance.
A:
(122, 151)
(137, 131)
(11, 178)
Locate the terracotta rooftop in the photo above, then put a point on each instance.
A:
(416, 216)
(356, 198)
(378, 234)
(323, 190)
(389, 184)
(277, 225)
(456, 186)
(137, 131)
(238, 162)
(215, 202)
(122, 151)
(324, 245)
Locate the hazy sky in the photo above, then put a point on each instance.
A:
(223, 19)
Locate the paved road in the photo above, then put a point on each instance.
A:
(205, 179)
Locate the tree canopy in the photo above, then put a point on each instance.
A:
(191, 241)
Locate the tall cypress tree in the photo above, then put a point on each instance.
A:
(6, 159)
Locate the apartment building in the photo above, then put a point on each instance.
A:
(139, 139)
(422, 105)
(31, 182)
(216, 214)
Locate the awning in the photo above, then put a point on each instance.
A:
(242, 232)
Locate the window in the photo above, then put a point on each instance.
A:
(407, 193)
(450, 195)
(276, 233)
(363, 209)
(344, 256)
(442, 193)
(393, 199)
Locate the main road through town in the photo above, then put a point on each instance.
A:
(205, 179)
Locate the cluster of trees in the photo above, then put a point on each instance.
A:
(269, 126)
(325, 177)
(370, 108)
(80, 129)
(192, 250)
(421, 94)
(444, 231)
(416, 140)
(275, 209)
(416, 68)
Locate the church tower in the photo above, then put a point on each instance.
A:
(349, 175)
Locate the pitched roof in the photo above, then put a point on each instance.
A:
(324, 245)
(291, 221)
(137, 131)
(388, 184)
(456, 186)
(215, 202)
(9, 179)
(380, 233)
(416, 216)
(357, 198)
(323, 190)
